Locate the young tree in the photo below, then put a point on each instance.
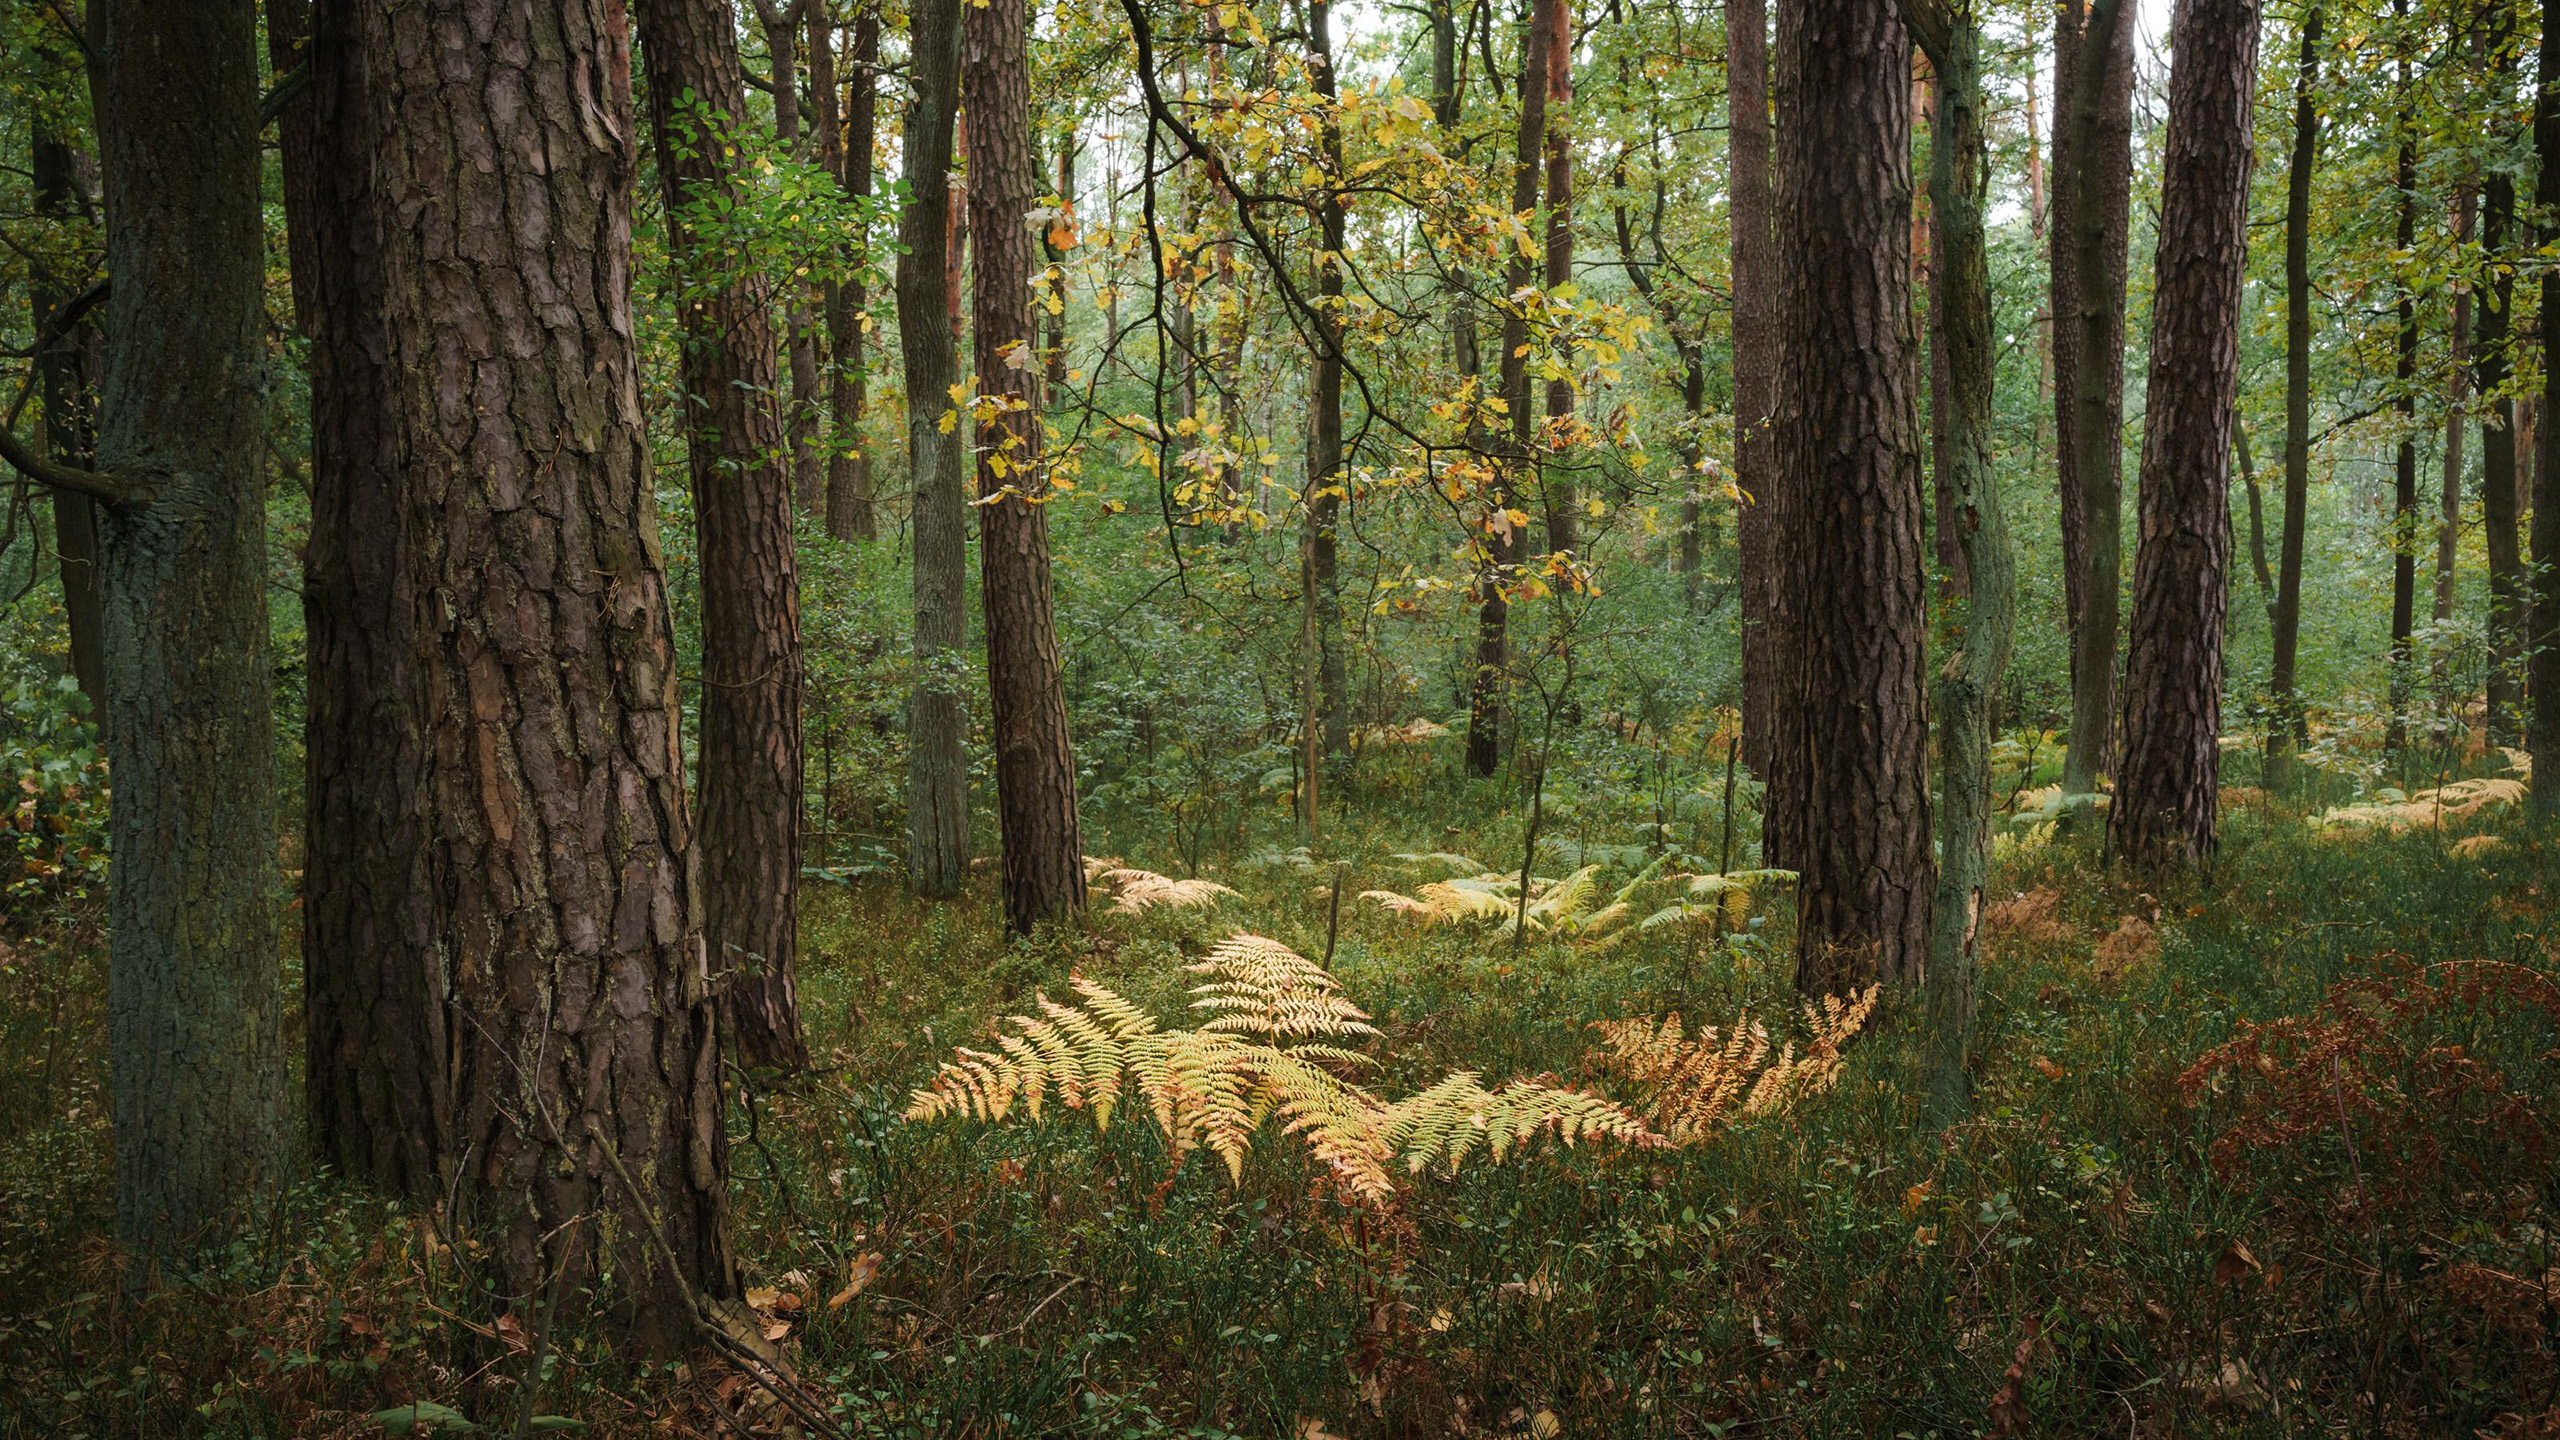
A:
(194, 993)
(748, 834)
(557, 1079)
(1327, 481)
(782, 24)
(2166, 786)
(937, 714)
(2491, 368)
(1766, 675)
(1035, 762)
(2285, 727)
(66, 366)
(2544, 732)
(1557, 490)
(846, 151)
(2404, 468)
(1848, 458)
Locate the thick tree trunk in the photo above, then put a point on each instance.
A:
(2166, 787)
(66, 365)
(572, 1105)
(1327, 482)
(1503, 541)
(2404, 470)
(194, 992)
(1767, 677)
(748, 835)
(1558, 492)
(2543, 730)
(846, 152)
(1982, 619)
(937, 712)
(1035, 763)
(2285, 725)
(2101, 151)
(2491, 366)
(1848, 453)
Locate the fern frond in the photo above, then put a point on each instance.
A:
(1138, 890)
(1456, 864)
(1694, 1087)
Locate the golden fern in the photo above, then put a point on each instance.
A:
(1553, 904)
(1137, 890)
(1693, 1087)
(1277, 1045)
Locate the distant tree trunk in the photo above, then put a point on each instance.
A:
(66, 365)
(1503, 541)
(1035, 763)
(850, 515)
(2285, 726)
(1326, 480)
(1981, 627)
(2490, 369)
(1849, 451)
(2543, 731)
(575, 1050)
(1447, 105)
(1562, 504)
(938, 719)
(748, 835)
(2101, 152)
(2456, 416)
(2063, 301)
(782, 45)
(1767, 677)
(2167, 785)
(1693, 384)
(2258, 567)
(2404, 472)
(1053, 284)
(194, 993)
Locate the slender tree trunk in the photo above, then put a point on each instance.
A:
(66, 365)
(1035, 763)
(2167, 786)
(1767, 676)
(938, 719)
(2258, 567)
(194, 991)
(2404, 472)
(1982, 619)
(2491, 366)
(1693, 458)
(2543, 729)
(847, 153)
(2063, 300)
(2285, 726)
(570, 1101)
(2101, 174)
(1053, 281)
(782, 45)
(1503, 541)
(1327, 482)
(1563, 505)
(1447, 106)
(1848, 448)
(2456, 415)
(748, 835)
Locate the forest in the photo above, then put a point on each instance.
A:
(1312, 719)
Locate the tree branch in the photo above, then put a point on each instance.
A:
(123, 492)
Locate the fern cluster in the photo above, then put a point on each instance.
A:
(1565, 909)
(1695, 1086)
(1133, 890)
(1278, 1045)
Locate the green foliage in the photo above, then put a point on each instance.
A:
(56, 825)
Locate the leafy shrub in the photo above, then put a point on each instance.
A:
(57, 821)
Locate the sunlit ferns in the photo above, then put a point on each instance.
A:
(1278, 1046)
(1133, 891)
(1695, 1086)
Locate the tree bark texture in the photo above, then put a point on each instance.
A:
(937, 712)
(1766, 675)
(2490, 367)
(1848, 456)
(2100, 183)
(194, 992)
(1327, 482)
(748, 832)
(2285, 727)
(2166, 788)
(572, 1102)
(847, 153)
(1035, 761)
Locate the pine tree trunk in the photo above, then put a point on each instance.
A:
(2285, 725)
(571, 1103)
(2167, 785)
(1563, 505)
(1982, 619)
(2101, 152)
(194, 992)
(850, 514)
(1767, 676)
(1848, 450)
(1327, 482)
(2491, 366)
(1035, 763)
(937, 713)
(748, 834)
(2063, 300)
(2543, 730)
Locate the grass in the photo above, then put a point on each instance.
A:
(2071, 1260)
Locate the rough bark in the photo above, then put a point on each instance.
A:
(2166, 787)
(937, 713)
(748, 834)
(2285, 725)
(2542, 734)
(1848, 454)
(1981, 621)
(1766, 677)
(1035, 762)
(194, 993)
(2490, 370)
(2101, 169)
(1326, 480)
(846, 151)
(1557, 490)
(66, 365)
(574, 1101)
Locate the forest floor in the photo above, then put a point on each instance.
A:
(2340, 1222)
